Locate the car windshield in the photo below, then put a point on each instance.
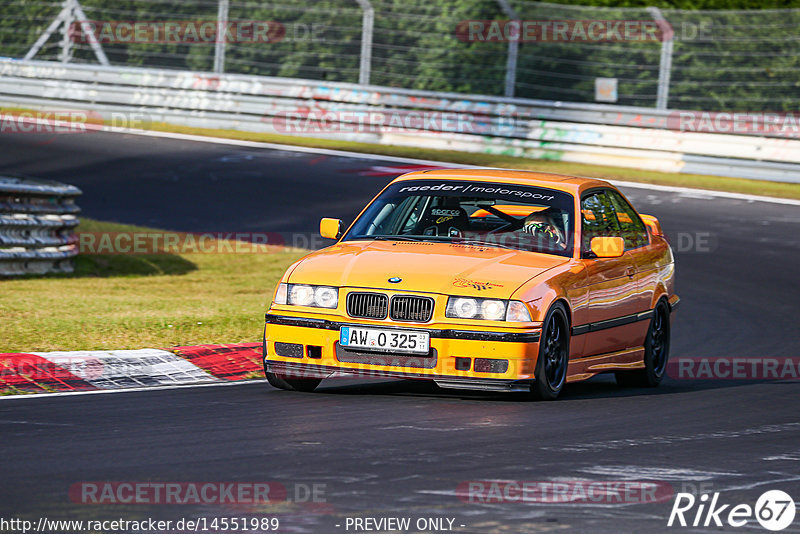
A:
(482, 213)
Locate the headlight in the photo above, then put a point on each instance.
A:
(301, 295)
(493, 310)
(462, 308)
(306, 295)
(326, 297)
(487, 309)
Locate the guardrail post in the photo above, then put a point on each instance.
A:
(219, 50)
(513, 50)
(367, 24)
(665, 62)
(66, 38)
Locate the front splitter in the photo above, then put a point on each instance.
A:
(302, 370)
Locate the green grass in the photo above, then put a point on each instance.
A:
(131, 301)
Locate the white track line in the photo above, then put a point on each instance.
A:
(705, 193)
(700, 193)
(278, 146)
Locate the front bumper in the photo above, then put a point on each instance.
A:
(322, 357)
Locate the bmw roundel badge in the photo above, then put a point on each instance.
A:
(395, 280)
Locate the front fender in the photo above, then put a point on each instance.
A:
(566, 284)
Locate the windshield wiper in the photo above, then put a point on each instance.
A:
(485, 243)
(436, 239)
(391, 238)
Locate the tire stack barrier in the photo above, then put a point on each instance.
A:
(37, 222)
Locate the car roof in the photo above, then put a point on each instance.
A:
(559, 182)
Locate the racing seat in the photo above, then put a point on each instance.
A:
(448, 219)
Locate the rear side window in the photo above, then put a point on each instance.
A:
(598, 219)
(633, 230)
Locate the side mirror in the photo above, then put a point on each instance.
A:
(608, 247)
(652, 224)
(330, 228)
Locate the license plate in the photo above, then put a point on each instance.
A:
(412, 342)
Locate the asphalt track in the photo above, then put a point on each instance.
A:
(401, 449)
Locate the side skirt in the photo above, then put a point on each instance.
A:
(623, 360)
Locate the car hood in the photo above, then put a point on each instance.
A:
(423, 267)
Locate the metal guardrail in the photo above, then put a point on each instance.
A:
(263, 87)
(575, 132)
(700, 59)
(37, 219)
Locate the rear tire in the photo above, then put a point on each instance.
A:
(551, 365)
(292, 384)
(656, 352)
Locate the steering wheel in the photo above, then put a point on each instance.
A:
(512, 223)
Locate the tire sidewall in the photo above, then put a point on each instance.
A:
(652, 374)
(541, 387)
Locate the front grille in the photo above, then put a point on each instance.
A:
(411, 308)
(387, 359)
(367, 305)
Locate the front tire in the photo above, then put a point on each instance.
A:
(551, 365)
(292, 384)
(656, 352)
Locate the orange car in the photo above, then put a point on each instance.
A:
(480, 279)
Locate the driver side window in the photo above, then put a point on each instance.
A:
(597, 219)
(398, 219)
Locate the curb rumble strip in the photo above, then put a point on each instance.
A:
(96, 371)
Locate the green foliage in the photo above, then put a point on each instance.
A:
(723, 60)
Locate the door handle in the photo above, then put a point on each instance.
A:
(630, 271)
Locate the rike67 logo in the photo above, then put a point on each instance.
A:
(774, 510)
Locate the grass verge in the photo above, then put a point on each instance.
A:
(136, 301)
